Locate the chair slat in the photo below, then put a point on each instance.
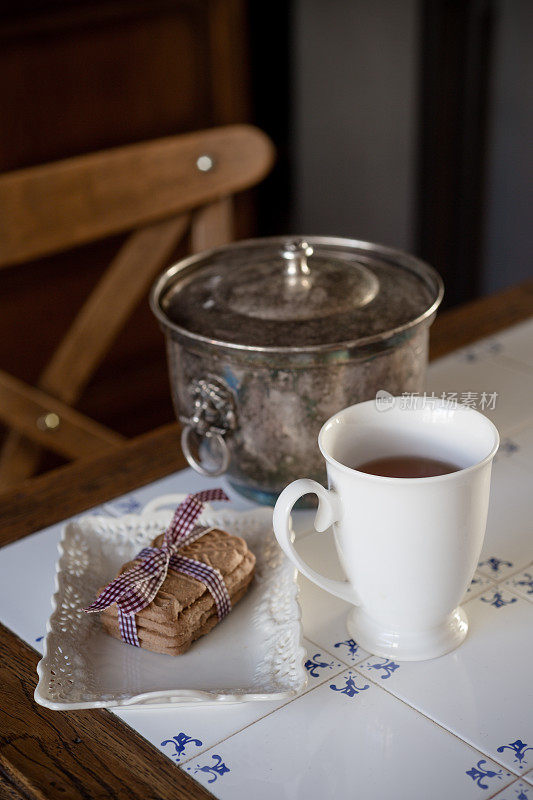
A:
(108, 307)
(212, 225)
(76, 436)
(158, 189)
(56, 206)
(89, 338)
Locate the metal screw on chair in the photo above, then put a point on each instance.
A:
(205, 163)
(48, 422)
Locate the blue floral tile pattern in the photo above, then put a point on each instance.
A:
(348, 686)
(508, 447)
(215, 770)
(347, 733)
(314, 664)
(349, 651)
(494, 566)
(498, 599)
(180, 743)
(317, 664)
(129, 504)
(522, 584)
(381, 667)
(485, 349)
(484, 775)
(516, 791)
(519, 749)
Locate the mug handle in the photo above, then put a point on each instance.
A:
(328, 512)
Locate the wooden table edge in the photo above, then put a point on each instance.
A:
(43, 501)
(44, 753)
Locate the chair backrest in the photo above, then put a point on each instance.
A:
(56, 206)
(160, 190)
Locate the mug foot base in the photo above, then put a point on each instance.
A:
(409, 645)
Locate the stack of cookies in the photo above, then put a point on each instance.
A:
(183, 609)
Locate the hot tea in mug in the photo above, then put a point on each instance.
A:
(407, 466)
(407, 500)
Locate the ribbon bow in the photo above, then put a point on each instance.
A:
(135, 589)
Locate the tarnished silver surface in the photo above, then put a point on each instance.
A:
(278, 397)
(221, 457)
(212, 418)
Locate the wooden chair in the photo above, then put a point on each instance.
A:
(160, 190)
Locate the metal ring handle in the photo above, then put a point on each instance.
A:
(223, 447)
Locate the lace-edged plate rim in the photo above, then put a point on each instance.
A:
(65, 679)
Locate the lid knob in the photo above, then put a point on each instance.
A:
(296, 255)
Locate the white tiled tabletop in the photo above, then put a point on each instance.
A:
(460, 726)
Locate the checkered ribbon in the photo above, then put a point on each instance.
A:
(135, 589)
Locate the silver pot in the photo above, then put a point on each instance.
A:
(268, 338)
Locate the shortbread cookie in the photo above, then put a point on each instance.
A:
(183, 608)
(174, 645)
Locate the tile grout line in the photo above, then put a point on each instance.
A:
(374, 680)
(264, 716)
(512, 433)
(523, 467)
(519, 428)
(357, 665)
(468, 597)
(515, 363)
(478, 344)
(520, 778)
(509, 575)
(333, 656)
(492, 796)
(435, 722)
(517, 594)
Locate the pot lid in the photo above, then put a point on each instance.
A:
(273, 293)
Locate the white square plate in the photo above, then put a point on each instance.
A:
(256, 653)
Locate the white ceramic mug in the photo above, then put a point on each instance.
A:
(408, 546)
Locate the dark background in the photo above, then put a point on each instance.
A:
(406, 123)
